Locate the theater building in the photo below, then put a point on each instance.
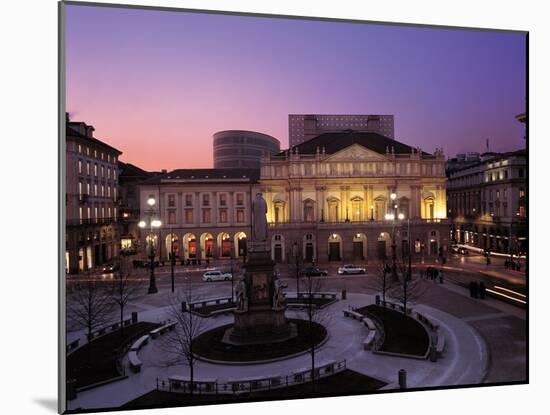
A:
(337, 197)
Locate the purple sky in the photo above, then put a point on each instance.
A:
(158, 84)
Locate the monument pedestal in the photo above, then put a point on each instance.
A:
(260, 317)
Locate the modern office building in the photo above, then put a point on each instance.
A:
(303, 127)
(92, 231)
(242, 149)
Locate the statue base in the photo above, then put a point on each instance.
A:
(259, 321)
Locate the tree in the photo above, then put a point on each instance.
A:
(179, 344)
(383, 283)
(409, 288)
(89, 305)
(315, 315)
(124, 289)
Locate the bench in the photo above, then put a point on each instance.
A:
(135, 363)
(368, 343)
(161, 330)
(139, 343)
(440, 344)
(353, 314)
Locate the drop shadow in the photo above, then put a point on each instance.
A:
(48, 403)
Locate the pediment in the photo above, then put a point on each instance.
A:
(356, 152)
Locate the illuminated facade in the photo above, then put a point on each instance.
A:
(329, 199)
(205, 213)
(92, 231)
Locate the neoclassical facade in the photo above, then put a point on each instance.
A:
(205, 213)
(331, 199)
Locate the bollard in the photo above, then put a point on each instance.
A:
(433, 354)
(377, 298)
(402, 379)
(71, 389)
(134, 317)
(344, 294)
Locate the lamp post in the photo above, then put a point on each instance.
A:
(153, 223)
(392, 216)
(172, 258)
(231, 245)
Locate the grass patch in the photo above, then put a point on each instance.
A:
(346, 382)
(210, 346)
(403, 334)
(100, 363)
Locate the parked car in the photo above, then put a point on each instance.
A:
(313, 272)
(351, 269)
(109, 268)
(463, 251)
(216, 276)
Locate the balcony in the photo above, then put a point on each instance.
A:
(351, 224)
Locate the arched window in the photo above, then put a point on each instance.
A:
(309, 211)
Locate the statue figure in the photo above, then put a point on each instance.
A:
(278, 296)
(259, 220)
(240, 294)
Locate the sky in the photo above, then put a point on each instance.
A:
(158, 84)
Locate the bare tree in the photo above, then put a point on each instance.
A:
(315, 315)
(409, 288)
(124, 289)
(89, 306)
(383, 281)
(178, 345)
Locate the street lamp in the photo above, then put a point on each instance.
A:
(231, 245)
(153, 223)
(392, 216)
(296, 257)
(172, 258)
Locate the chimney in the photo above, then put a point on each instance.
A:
(90, 131)
(164, 171)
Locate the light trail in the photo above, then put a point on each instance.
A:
(507, 296)
(510, 291)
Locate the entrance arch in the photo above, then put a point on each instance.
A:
(384, 246)
(433, 238)
(224, 245)
(240, 244)
(278, 248)
(334, 247)
(309, 247)
(360, 246)
(172, 243)
(189, 246)
(207, 245)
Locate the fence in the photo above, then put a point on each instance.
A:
(180, 384)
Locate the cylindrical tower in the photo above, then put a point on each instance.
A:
(237, 148)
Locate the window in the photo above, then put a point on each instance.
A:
(171, 200)
(205, 199)
(240, 215)
(95, 169)
(114, 174)
(102, 213)
(79, 149)
(95, 189)
(80, 190)
(521, 193)
(206, 215)
(80, 214)
(95, 153)
(223, 215)
(520, 173)
(171, 217)
(498, 194)
(188, 216)
(102, 190)
(188, 200)
(240, 199)
(223, 199)
(114, 193)
(95, 214)
(108, 191)
(88, 168)
(505, 174)
(88, 188)
(109, 212)
(109, 173)
(102, 170)
(88, 213)
(79, 166)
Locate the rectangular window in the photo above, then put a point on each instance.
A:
(115, 216)
(88, 168)
(114, 174)
(188, 216)
(95, 169)
(80, 214)
(114, 193)
(240, 215)
(223, 199)
(95, 214)
(240, 199)
(88, 213)
(188, 200)
(102, 213)
(88, 188)
(102, 170)
(80, 190)
(223, 215)
(109, 173)
(109, 212)
(521, 193)
(95, 189)
(102, 190)
(79, 149)
(108, 191)
(505, 174)
(205, 199)
(206, 215)
(79, 166)
(171, 200)
(171, 217)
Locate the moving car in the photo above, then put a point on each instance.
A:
(351, 269)
(313, 272)
(216, 276)
(108, 268)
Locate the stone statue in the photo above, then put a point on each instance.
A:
(259, 220)
(278, 296)
(240, 294)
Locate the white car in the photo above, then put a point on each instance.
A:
(216, 276)
(351, 269)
